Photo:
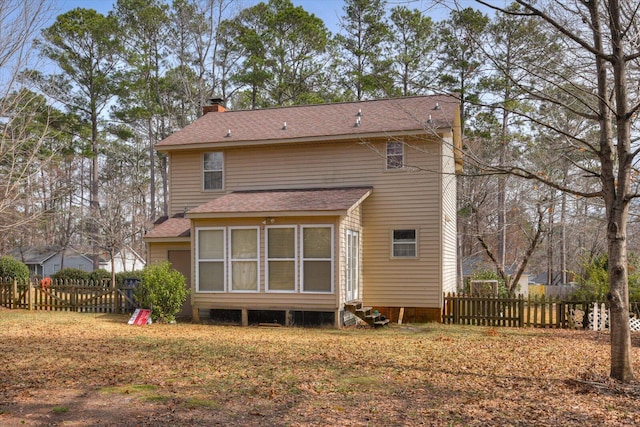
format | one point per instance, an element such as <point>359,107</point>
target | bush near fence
<point>519,311</point>
<point>68,295</point>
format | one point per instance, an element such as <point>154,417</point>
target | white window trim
<point>224,259</point>
<point>230,260</point>
<point>212,170</point>
<point>416,243</point>
<point>386,156</point>
<point>355,281</point>
<point>303,259</point>
<point>294,259</point>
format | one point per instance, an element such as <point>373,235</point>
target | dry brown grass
<point>82,369</point>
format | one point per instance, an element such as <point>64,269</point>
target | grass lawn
<point>85,369</point>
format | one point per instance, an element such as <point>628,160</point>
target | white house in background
<point>125,259</point>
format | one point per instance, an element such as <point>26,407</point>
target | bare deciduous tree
<point>24,124</point>
<point>595,79</point>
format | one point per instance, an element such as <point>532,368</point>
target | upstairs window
<point>213,170</point>
<point>405,243</point>
<point>395,155</point>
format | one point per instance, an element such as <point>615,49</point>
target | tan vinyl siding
<point>158,252</point>
<point>407,198</point>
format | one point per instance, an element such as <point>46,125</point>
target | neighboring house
<point>125,259</point>
<point>306,208</point>
<point>473,264</point>
<point>46,261</point>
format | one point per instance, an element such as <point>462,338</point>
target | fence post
<point>116,298</point>
<point>15,295</point>
<point>29,295</point>
<point>454,308</point>
<point>74,298</point>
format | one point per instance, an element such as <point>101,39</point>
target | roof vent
<point>437,107</point>
<point>357,122</point>
<point>429,120</point>
<point>284,126</point>
<point>359,112</point>
<point>229,132</point>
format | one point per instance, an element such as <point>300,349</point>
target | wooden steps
<point>372,318</point>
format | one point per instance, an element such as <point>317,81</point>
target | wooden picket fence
<point>79,296</point>
<point>516,311</point>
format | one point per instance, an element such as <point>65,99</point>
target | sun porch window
<point>281,259</point>
<point>244,269</point>
<point>210,256</point>
<point>317,259</point>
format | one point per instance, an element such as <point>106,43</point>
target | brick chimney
<point>215,105</point>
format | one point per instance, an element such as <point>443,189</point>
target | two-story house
<point>307,208</point>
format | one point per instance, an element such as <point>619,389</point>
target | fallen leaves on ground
<point>97,370</point>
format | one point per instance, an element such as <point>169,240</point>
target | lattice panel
<point>603,322</point>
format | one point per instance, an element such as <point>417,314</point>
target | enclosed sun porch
<point>276,256</point>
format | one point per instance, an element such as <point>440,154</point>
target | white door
<point>352,257</point>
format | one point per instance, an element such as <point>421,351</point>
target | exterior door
<point>352,264</point>
<point>181,261</point>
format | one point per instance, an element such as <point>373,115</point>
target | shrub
<point>14,269</point>
<point>593,282</point>
<point>99,275</point>
<point>71,274</point>
<point>124,275</point>
<point>162,289</point>
<point>488,275</point>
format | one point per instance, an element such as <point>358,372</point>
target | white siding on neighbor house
<point>125,260</point>
<point>402,199</point>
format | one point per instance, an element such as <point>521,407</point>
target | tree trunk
<point>152,171</point>
<point>94,205</point>
<point>563,237</point>
<point>618,297</point>
<point>616,192</point>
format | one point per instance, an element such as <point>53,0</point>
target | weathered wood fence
<point>79,296</point>
<point>517,311</point>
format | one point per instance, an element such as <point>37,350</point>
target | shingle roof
<point>317,121</point>
<point>39,255</point>
<point>327,200</point>
<point>173,227</point>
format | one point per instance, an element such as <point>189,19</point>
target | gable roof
<point>34,255</point>
<point>297,202</point>
<point>40,255</point>
<point>317,121</point>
